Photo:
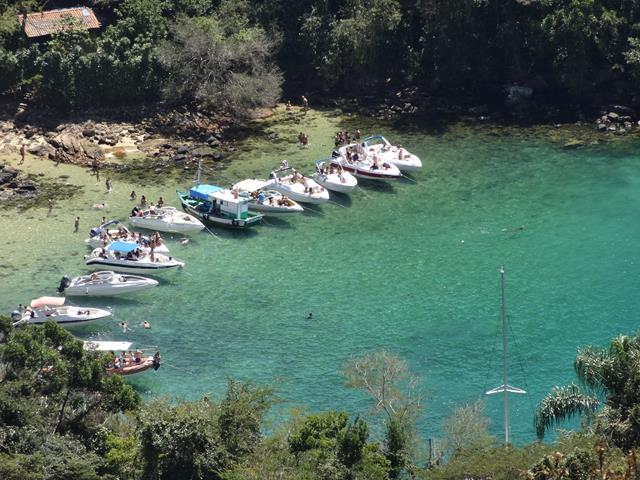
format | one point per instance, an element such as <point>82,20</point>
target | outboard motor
<point>64,283</point>
<point>16,316</point>
<point>94,232</point>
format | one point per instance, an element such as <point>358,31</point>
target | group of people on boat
<point>330,170</point>
<point>127,359</point>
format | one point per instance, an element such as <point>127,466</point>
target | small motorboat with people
<point>334,177</point>
<point>298,187</point>
<point>104,283</point>
<point>129,362</point>
<point>354,159</point>
<point>127,257</point>
<point>165,219</point>
<point>265,201</point>
<point>43,309</point>
<point>394,154</point>
<point>219,206</point>
<point>102,236</point>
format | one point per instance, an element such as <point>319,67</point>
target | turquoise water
<point>411,267</point>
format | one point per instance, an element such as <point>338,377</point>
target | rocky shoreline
<point>146,140</point>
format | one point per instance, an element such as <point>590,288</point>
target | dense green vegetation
<point>62,417</point>
<point>235,54</point>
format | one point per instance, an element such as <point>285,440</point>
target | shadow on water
<point>342,199</point>
<point>374,186</point>
<point>232,234</point>
<point>312,211</point>
<point>275,222</point>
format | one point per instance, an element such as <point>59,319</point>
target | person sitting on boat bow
<point>261,197</point>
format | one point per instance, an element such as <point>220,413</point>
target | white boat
<point>104,283</point>
<point>219,206</point>
<point>166,219</point>
<point>298,187</point>
<point>44,309</point>
<point>103,235</point>
<point>265,201</point>
<point>394,154</point>
<point>137,361</point>
<point>334,178</point>
<point>127,257</point>
<point>354,159</point>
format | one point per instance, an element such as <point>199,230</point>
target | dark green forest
<point>233,55</point>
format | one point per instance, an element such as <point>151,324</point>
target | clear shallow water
<point>411,267</point>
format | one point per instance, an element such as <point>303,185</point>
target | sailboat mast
<point>505,359</point>
<point>505,388</point>
<point>198,173</point>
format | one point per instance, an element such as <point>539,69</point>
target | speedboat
<point>165,219</point>
<point>265,201</point>
<point>104,283</point>
<point>129,363</point>
<point>354,159</point>
<point>53,308</point>
<point>298,187</point>
<point>219,206</point>
<point>394,154</point>
<point>127,257</point>
<point>102,236</point>
<point>334,178</point>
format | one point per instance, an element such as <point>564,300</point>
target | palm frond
<point>562,404</point>
<point>592,366</point>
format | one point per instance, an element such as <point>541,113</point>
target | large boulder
<point>203,152</point>
<point>68,142</point>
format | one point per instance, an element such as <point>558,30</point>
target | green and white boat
<point>218,206</point>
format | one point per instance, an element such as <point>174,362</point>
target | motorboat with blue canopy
<point>102,236</point>
<point>128,257</point>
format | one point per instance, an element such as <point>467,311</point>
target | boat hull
<point>132,267</point>
<point>369,174</point>
<point>73,317</point>
<point>334,184</point>
<point>274,211</point>
<point>169,227</point>
<point>120,285</point>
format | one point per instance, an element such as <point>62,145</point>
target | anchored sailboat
<point>505,387</point>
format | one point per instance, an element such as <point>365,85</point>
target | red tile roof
<point>46,23</point>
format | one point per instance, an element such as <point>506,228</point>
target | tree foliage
<point>219,65</point>
<point>612,374</point>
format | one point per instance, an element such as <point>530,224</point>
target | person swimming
<point>310,316</point>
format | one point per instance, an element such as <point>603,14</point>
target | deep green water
<point>411,267</point>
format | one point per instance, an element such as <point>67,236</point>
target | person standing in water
<point>76,225</point>
<point>21,154</point>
